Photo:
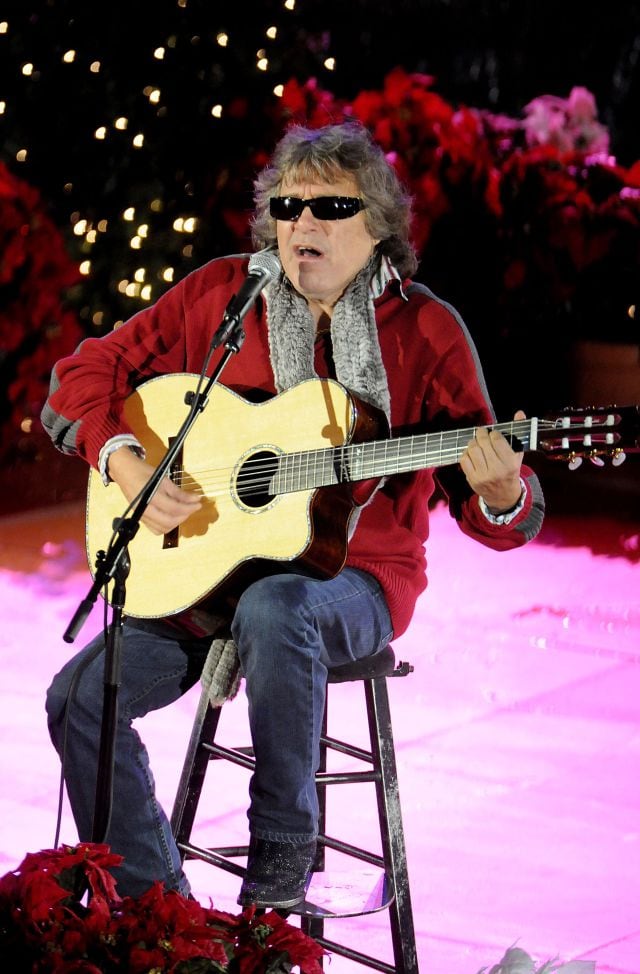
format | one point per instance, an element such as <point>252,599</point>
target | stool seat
<point>381,881</point>
<point>379,664</point>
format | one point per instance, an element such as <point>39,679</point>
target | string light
<point>86,232</point>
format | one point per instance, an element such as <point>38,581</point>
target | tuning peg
<point>574,463</point>
<point>597,461</point>
<point>618,458</point>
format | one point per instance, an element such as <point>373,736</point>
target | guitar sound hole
<point>254,480</point>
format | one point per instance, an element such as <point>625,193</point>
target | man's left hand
<point>492,468</point>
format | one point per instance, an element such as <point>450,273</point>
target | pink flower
<point>567,124</point>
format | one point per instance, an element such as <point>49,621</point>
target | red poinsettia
<point>36,326</point>
<point>59,912</point>
<point>552,215</point>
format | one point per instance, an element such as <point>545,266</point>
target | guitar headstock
<point>590,432</point>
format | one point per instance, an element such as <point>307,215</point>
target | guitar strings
<point>292,468</point>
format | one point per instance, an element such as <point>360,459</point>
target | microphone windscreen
<point>267,262</point>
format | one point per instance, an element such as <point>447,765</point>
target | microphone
<point>263,267</point>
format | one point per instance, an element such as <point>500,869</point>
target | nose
<point>306,216</point>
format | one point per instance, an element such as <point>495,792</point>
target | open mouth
<point>307,252</point>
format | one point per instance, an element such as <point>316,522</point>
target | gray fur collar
<point>354,336</point>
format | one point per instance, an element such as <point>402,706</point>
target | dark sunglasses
<point>322,207</point>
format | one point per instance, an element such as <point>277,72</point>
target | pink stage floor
<point>518,739</point>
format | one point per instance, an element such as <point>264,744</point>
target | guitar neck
<point>383,458</point>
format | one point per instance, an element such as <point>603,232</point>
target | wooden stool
<point>392,891</point>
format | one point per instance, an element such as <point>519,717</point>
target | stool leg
<point>391,830</point>
<point>314,926</point>
<point>194,770</point>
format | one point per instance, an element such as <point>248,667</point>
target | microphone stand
<point>114,564</point>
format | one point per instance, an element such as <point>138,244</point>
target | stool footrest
<point>351,749</point>
<point>345,777</point>
<point>355,955</point>
<point>351,850</point>
<point>212,857</point>
<point>242,756</point>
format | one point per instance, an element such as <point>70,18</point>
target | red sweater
<point>435,381</point>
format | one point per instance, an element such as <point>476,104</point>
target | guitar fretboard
<point>382,458</point>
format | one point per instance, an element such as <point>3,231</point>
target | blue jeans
<point>289,630</point>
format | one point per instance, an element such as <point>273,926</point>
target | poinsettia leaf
<point>515,961</point>
<point>41,895</point>
<point>279,964</point>
<point>577,967</point>
<point>198,965</point>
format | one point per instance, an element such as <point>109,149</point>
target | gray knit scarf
<point>354,338</point>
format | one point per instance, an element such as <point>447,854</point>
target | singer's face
<point>322,257</point>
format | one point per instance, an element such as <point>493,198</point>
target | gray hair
<point>326,155</point>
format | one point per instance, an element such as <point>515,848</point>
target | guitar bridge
<point>171,538</point>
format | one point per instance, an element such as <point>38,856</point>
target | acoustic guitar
<point>280,480</point>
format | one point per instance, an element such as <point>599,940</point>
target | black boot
<point>278,873</point>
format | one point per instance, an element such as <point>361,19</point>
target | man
<point>332,208</point>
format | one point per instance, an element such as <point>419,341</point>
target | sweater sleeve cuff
<point>123,439</point>
<point>507,516</point>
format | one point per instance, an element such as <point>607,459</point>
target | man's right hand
<point>169,506</point>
